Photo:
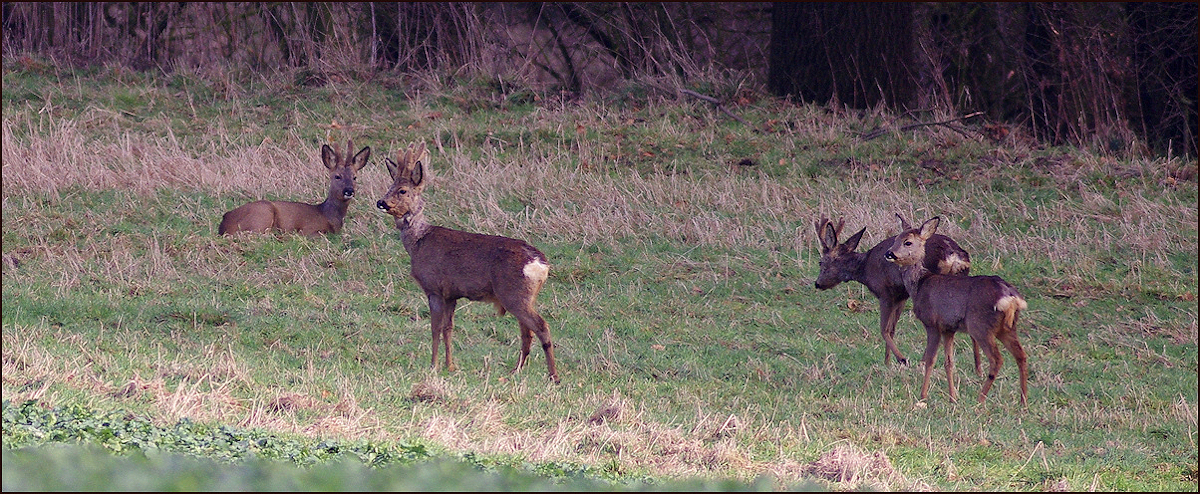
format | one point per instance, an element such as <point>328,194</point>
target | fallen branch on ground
<point>719,105</point>
<point>879,131</point>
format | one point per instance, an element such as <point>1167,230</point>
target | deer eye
<point>403,191</point>
<point>337,177</point>
<point>907,242</point>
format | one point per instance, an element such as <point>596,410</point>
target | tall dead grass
<point>64,153</point>
<point>710,206</point>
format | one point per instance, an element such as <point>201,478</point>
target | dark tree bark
<point>1164,51</point>
<point>859,54</point>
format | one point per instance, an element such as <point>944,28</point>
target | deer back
<point>452,264</point>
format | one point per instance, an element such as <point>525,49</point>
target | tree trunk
<point>860,54</point>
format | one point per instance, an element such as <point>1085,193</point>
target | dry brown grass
<point>205,388</point>
<point>717,208</point>
<point>66,154</point>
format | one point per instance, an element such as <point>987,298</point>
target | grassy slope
<point>690,338</point>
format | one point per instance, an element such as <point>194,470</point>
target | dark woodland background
<point>1117,77</point>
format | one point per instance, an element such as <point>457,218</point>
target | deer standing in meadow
<point>451,264</point>
<point>841,262</point>
<point>299,217</point>
<point>984,307</point>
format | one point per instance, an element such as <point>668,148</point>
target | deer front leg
<point>436,309</point>
<point>932,339</point>
<point>441,318</point>
<point>889,313</point>
<point>448,333</point>
<point>948,340</point>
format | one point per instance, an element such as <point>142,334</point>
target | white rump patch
<point>537,270</point>
<point>954,264</point>
<point>1008,302</point>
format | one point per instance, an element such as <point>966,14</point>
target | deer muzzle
<point>348,192</point>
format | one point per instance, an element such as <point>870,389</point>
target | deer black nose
<point>889,256</point>
<point>348,192</point>
<point>381,205</point>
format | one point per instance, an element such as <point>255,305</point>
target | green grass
<point>689,337</point>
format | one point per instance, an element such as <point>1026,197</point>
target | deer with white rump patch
<point>451,264</point>
<point>299,217</point>
<point>984,307</point>
<point>841,262</point>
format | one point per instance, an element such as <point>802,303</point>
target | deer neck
<point>413,227</point>
<point>913,276</point>
<point>334,209</point>
<point>860,267</point>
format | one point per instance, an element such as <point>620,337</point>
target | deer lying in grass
<point>840,262</point>
<point>984,307</point>
<point>451,264</point>
<point>299,217</point>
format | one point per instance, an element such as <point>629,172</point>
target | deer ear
<point>392,169</point>
<point>852,242</point>
<point>360,159</point>
<point>418,172</point>
<point>904,226</point>
<point>826,235</point>
<point>929,227</point>
<point>328,156</point>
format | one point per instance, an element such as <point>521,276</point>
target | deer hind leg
<point>257,216</point>
<point>526,343</point>
<point>499,306</point>
<point>993,354</point>
<point>889,313</point>
<point>532,324</point>
<point>948,341</point>
<point>1009,338</point>
<point>978,364</point>
<point>932,339</point>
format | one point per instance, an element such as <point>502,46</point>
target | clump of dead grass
<point>846,467</point>
<point>431,389</point>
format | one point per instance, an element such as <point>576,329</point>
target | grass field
<point>690,339</point>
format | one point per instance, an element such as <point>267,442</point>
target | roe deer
<point>984,307</point>
<point>304,218</point>
<point>840,262</point>
<point>451,264</point>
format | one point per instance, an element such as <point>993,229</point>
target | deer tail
<point>1011,304</point>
